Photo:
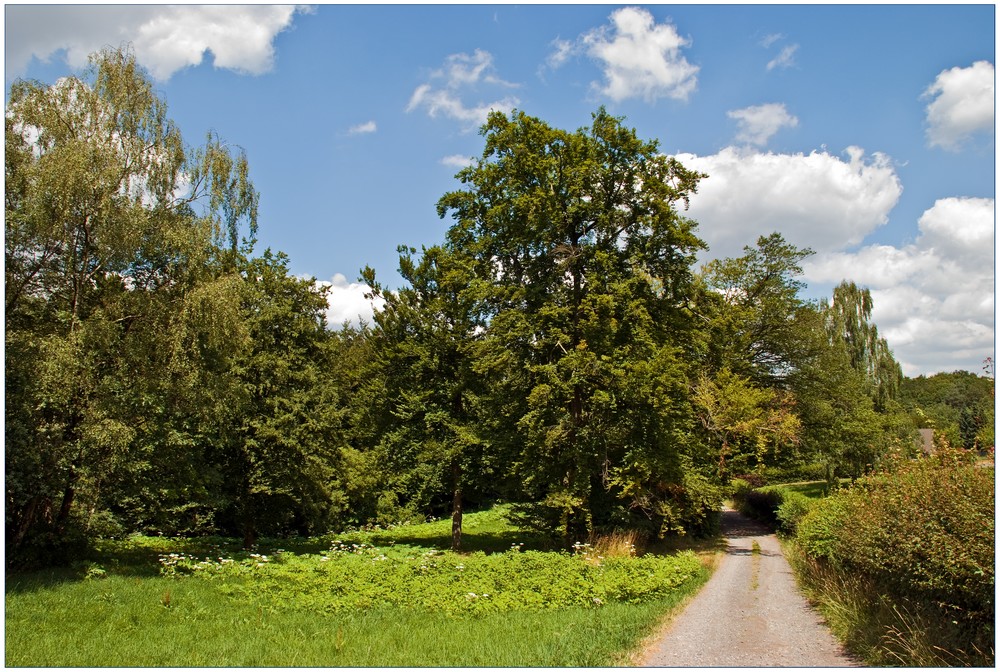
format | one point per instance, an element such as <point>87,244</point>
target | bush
<point>923,531</point>
<point>692,508</point>
<point>793,507</point>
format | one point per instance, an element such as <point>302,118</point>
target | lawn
<point>378,598</point>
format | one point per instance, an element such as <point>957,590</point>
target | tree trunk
<point>456,507</point>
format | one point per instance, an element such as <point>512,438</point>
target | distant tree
<point>754,314</point>
<point>958,405</point>
<point>748,422</point>
<point>849,319</point>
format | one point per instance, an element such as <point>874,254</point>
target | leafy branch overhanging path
<point>749,614</point>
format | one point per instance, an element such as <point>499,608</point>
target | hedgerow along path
<point>749,614</point>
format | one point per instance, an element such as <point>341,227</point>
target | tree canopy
<point>558,349</point>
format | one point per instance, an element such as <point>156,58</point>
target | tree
<point>748,421</point>
<point>754,312</point>
<point>424,352</point>
<point>114,231</point>
<point>582,277</point>
<point>279,441</point>
<point>849,319</point>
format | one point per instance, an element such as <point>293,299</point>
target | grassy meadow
<point>374,598</point>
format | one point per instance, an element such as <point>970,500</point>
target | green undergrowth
<point>343,602</point>
<point>902,562</point>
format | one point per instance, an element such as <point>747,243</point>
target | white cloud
<point>758,123</point>
<point>461,73</point>
<point>346,302</point>
<point>457,161</point>
<point>771,39</point>
<point>815,200</point>
<point>360,129</point>
<point>962,105</point>
<point>934,298</point>
<point>165,38</point>
<point>563,51</point>
<point>640,58</point>
<point>785,59</point>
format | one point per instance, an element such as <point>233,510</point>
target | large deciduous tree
<point>118,243</point>
<point>581,271</point>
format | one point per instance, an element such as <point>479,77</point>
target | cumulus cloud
<point>360,129</point>
<point>347,303</point>
<point>460,74</point>
<point>640,58</point>
<point>962,105</point>
<point>816,200</point>
<point>934,298</point>
<point>758,123</point>
<point>166,38</point>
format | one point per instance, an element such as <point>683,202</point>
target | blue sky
<point>863,132</point>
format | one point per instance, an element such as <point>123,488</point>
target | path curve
<point>749,614</point>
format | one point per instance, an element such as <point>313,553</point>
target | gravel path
<point>749,614</point>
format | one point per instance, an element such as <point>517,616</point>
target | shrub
<point>923,532</point>
<point>793,507</point>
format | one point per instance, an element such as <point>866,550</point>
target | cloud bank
<point>165,38</point>
<point>818,200</point>
<point>936,290</point>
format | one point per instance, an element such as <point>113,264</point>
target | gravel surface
<point>749,614</point>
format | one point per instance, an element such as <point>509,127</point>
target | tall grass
<point>121,622</point>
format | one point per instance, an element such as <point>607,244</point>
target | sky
<point>863,132</point>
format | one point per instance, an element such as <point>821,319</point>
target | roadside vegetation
<point>901,561</point>
<point>341,601</point>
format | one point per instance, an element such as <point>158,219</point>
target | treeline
<point>558,349</point>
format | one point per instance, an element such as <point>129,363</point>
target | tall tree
<point>755,314</point>
<point>280,439</point>
<point>849,319</point>
<point>582,274</point>
<point>111,226</point>
<point>425,345</point>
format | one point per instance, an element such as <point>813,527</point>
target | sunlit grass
<point>126,614</point>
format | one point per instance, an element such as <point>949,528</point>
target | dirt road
<point>749,614</point>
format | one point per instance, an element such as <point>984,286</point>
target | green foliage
<point>580,267</point>
<point>754,312</point>
<point>203,601</point>
<point>924,531</point>
<point>958,405</point>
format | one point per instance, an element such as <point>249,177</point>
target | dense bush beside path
<point>902,562</point>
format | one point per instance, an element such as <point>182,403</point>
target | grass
<point>810,489</point>
<point>295,609</point>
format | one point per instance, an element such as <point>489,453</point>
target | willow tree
<point>116,235</point>
<point>581,272</point>
<point>849,320</point>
